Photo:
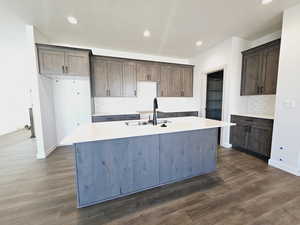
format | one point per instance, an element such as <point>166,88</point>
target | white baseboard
<point>45,155</point>
<point>280,165</point>
<point>226,145</point>
<point>40,155</point>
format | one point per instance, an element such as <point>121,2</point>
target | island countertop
<point>118,129</point>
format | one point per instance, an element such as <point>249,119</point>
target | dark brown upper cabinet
<point>129,79</point>
<point>113,78</point>
<point>99,77</point>
<point>176,81</point>
<point>187,81</point>
<point>63,61</point>
<point>260,69</point>
<point>148,71</point>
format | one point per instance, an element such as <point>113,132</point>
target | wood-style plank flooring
<point>243,191</point>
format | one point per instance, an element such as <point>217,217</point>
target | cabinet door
<point>270,72</point>
<point>238,135</point>
<point>171,157</point>
<point>115,78</point>
<point>51,61</point>
<point>129,79</point>
<point>251,73</point>
<point>175,83</point>
<point>164,85</point>
<point>259,140</point>
<point>170,81</point>
<point>187,81</point>
<point>77,63</point>
<point>99,77</point>
<point>148,72</point>
<point>155,72</point>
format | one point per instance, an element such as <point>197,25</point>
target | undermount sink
<point>144,123</point>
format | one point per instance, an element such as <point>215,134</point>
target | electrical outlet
<point>281,148</point>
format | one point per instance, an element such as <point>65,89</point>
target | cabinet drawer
<point>96,119</point>
<point>251,121</point>
<point>177,114</point>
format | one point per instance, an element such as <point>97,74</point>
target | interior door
<point>251,74</point>
<point>77,63</point>
<point>115,78</point>
<point>270,72</point>
<point>99,77</point>
<point>129,79</point>
<point>51,61</point>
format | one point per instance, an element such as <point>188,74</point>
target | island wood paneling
<point>113,168</point>
<point>106,169</point>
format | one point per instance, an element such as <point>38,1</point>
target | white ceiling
<point>175,25</point>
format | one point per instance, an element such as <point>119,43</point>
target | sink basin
<point>144,123</point>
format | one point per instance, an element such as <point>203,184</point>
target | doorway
<point>214,97</point>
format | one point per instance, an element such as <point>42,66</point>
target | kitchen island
<point>113,159</point>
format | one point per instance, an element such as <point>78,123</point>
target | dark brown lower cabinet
<point>252,134</point>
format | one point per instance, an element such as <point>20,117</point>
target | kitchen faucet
<point>155,107</point>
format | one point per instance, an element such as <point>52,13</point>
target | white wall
<point>287,111</point>
<point>14,82</point>
<point>227,56</point>
<point>265,39</point>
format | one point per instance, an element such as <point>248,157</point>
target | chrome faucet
<point>155,107</point>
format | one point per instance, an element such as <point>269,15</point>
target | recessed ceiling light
<point>266,2</point>
<point>199,43</point>
<point>72,20</point>
<point>147,33</point>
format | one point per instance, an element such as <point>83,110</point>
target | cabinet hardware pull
<point>135,93</point>
<point>261,89</point>
<point>66,69</point>
<point>63,69</point>
<point>257,89</point>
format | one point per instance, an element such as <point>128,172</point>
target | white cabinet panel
<point>72,103</point>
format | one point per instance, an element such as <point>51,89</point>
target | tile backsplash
<point>261,104</point>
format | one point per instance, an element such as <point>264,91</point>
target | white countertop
<point>260,116</point>
<point>118,129</point>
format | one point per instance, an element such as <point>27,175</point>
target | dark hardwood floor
<point>243,191</point>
